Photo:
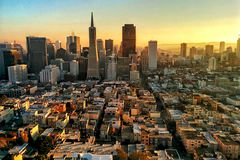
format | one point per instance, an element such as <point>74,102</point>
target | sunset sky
<point>168,21</point>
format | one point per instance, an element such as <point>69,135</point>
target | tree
<point>43,144</point>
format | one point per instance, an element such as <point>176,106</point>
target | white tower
<point>51,74</point>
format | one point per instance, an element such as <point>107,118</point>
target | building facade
<point>37,53</point>
<point>238,48</point>
<point>8,57</point>
<point>193,51</point>
<point>128,40</point>
<point>209,50</point>
<point>212,64</point>
<point>222,47</point>
<point>152,54</point>
<point>183,50</point>
<point>73,44</point>
<point>74,68</point>
<point>17,73</point>
<point>93,60</point>
<point>102,58</point>
<point>111,73</point>
<point>50,74</point>
<point>109,47</point>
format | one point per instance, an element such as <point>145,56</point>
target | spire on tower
<point>92,24</point>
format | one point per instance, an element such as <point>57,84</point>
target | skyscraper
<point>99,45</point>
<point>111,73</point>
<point>238,48</point>
<point>83,64</point>
<point>37,53</point>
<point>193,51</point>
<point>144,59</point>
<point>93,66</point>
<point>183,51</point>
<point>209,50</point>
<point>222,47</point>
<point>58,45</point>
<point>123,70</point>
<point>17,73</point>
<point>74,68</point>
<point>102,57</point>
<point>212,64</point>
<point>8,57</point>
<point>51,51</point>
<point>152,54</point>
<point>109,47</point>
<point>128,40</point>
<point>73,44</point>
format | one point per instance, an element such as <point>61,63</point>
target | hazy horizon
<point>167,22</point>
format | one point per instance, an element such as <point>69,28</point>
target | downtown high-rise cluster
<point>94,61</point>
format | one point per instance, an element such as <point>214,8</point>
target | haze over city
<point>169,22</point>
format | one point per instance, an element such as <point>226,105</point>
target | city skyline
<point>168,23</point>
<point>120,79</point>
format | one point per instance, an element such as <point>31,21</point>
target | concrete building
<point>222,47</point>
<point>17,73</point>
<point>8,58</point>
<point>123,68</point>
<point>58,45</point>
<point>134,75</point>
<point>102,58</point>
<point>183,50</point>
<point>227,146</point>
<point>51,74</point>
<point>212,64</point>
<point>109,47</point>
<point>73,44</point>
<point>111,73</point>
<point>93,60</point>
<point>238,48</point>
<point>83,64</point>
<point>37,53</point>
<point>58,62</point>
<point>51,51</point>
<point>152,55</point>
<point>144,59</point>
<point>74,68</point>
<point>193,51</point>
<point>209,50</point>
<point>128,40</point>
<point>6,45</point>
<point>6,114</point>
